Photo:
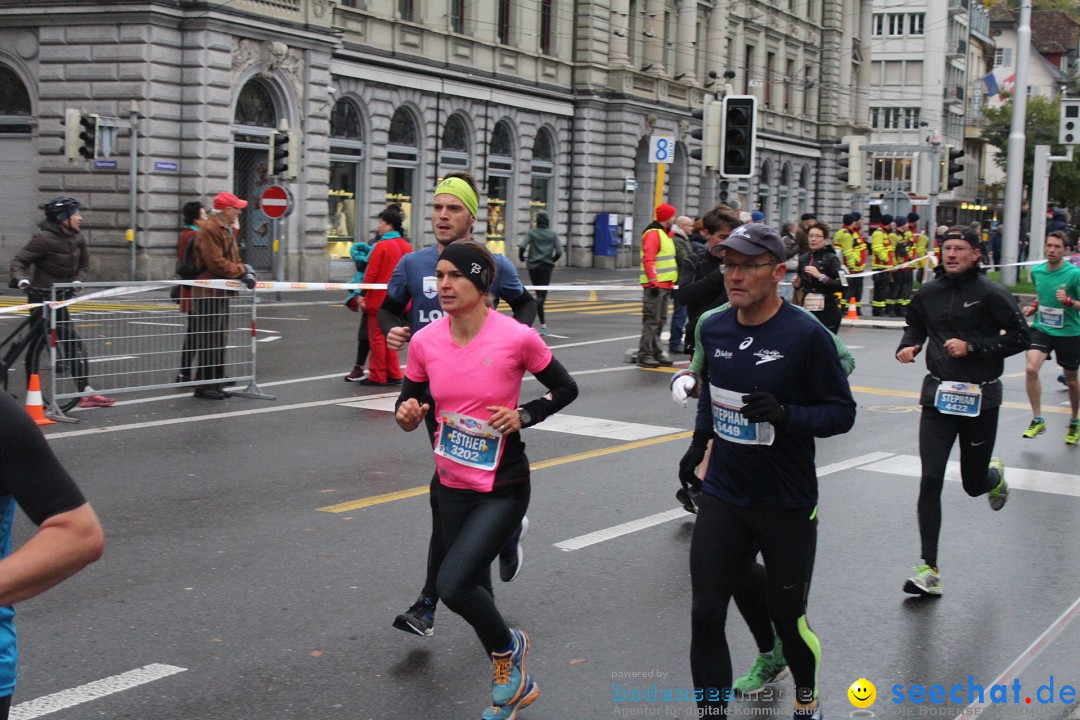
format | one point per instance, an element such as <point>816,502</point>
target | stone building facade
<point>550,104</point>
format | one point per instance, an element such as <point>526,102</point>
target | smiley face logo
<point>862,693</point>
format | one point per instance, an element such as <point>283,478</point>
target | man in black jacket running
<point>972,324</point>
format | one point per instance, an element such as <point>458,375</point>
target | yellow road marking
<point>423,489</point>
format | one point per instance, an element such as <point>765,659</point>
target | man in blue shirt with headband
<point>453,215</point>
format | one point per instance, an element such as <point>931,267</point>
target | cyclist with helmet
<point>59,254</point>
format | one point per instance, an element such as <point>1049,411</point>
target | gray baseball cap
<point>755,239</point>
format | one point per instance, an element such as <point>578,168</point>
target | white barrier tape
<point>111,292</point>
<point>934,261</point>
<point>19,308</point>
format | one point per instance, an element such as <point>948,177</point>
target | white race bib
<point>468,441</point>
<point>1052,317</point>
<point>957,398</point>
<point>730,425</point>
<point>814,302</point>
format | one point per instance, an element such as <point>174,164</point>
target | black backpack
<point>185,269</point>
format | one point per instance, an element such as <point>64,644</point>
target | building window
<point>875,118</point>
<point>748,68</point>
<point>402,159</point>
<point>504,22</point>
<point>916,22</point>
<point>457,16</point>
<point>547,11</point>
<point>454,153</point>
<point>543,171</point>
<point>896,24</point>
<point>807,80</point>
<point>911,118</point>
<point>500,172</point>
<point>14,103</point>
<point>789,80</point>
<point>770,68</point>
<point>891,118</point>
<point>255,107</point>
<point>346,154</point>
<point>406,10</point>
<point>1003,57</point>
<point>879,24</point>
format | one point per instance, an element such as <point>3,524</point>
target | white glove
<point>681,388</point>
<point>23,284</point>
<point>76,285</point>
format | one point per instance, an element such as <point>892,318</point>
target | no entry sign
<point>276,202</point>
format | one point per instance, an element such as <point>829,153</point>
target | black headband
<point>471,262</point>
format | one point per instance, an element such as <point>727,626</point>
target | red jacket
<point>381,263</point>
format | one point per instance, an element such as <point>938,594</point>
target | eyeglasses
<point>744,268</point>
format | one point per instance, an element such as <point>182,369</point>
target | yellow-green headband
<point>460,189</point>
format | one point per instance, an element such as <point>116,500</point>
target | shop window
<point>454,151</point>
<point>402,159</point>
<point>14,103</point>
<point>343,203</point>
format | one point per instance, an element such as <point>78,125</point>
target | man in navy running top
<point>453,214</point>
<point>774,382</point>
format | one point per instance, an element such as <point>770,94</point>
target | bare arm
<point>64,544</point>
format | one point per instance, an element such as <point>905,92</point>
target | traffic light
<point>710,115</point>
<point>88,136</point>
<point>723,195</point>
<point>949,169</point>
<point>738,134</point>
<point>71,133</point>
<point>1069,128</point>
<point>854,165</point>
<point>285,153</point>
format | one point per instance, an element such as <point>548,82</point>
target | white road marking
<point>142,322</point>
<point>626,528</point>
<point>111,358</point>
<point>272,338</point>
<point>570,424</point>
<point>1018,478</point>
<point>1033,651</point>
<point>92,691</point>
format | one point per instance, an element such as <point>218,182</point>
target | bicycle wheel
<point>69,374</point>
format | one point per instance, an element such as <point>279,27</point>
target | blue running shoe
<point>1061,379</point>
<point>510,711</point>
<point>508,685</point>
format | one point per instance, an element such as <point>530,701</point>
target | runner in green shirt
<point>1056,329</point>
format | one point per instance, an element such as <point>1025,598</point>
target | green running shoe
<point>1072,435</point>
<point>999,494</point>
<point>767,669</point>
<point>1037,427</point>
<point>927,581</point>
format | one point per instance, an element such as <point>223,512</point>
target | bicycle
<point>32,338</point>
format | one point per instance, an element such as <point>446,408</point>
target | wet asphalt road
<point>224,560</point>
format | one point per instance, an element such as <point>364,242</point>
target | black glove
<point>691,459</point>
<point>764,407</point>
<point>248,278</point>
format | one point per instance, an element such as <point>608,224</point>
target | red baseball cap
<point>228,200</point>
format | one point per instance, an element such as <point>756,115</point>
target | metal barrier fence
<point>136,337</point>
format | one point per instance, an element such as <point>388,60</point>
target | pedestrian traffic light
<point>738,135</point>
<point>1069,128</point>
<point>710,115</point>
<point>852,161</point>
<point>723,195</point>
<point>88,136</point>
<point>285,153</point>
<point>949,169</point>
<point>71,133</point>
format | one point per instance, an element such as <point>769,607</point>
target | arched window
<point>255,106</point>
<point>402,159</point>
<point>256,115</point>
<point>543,172</point>
<point>784,195</point>
<point>14,103</point>
<point>343,191</point>
<point>454,153</point>
<point>500,171</point>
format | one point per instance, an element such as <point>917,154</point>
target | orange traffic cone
<point>33,402</point>
<point>851,314</point>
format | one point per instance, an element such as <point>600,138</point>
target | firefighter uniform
<point>881,246</point>
<point>854,250</point>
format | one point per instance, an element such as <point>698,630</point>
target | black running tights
<point>937,433</point>
<point>721,555</point>
<point>476,525</point>
<point>540,276</point>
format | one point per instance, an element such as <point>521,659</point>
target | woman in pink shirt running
<point>472,361</point>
